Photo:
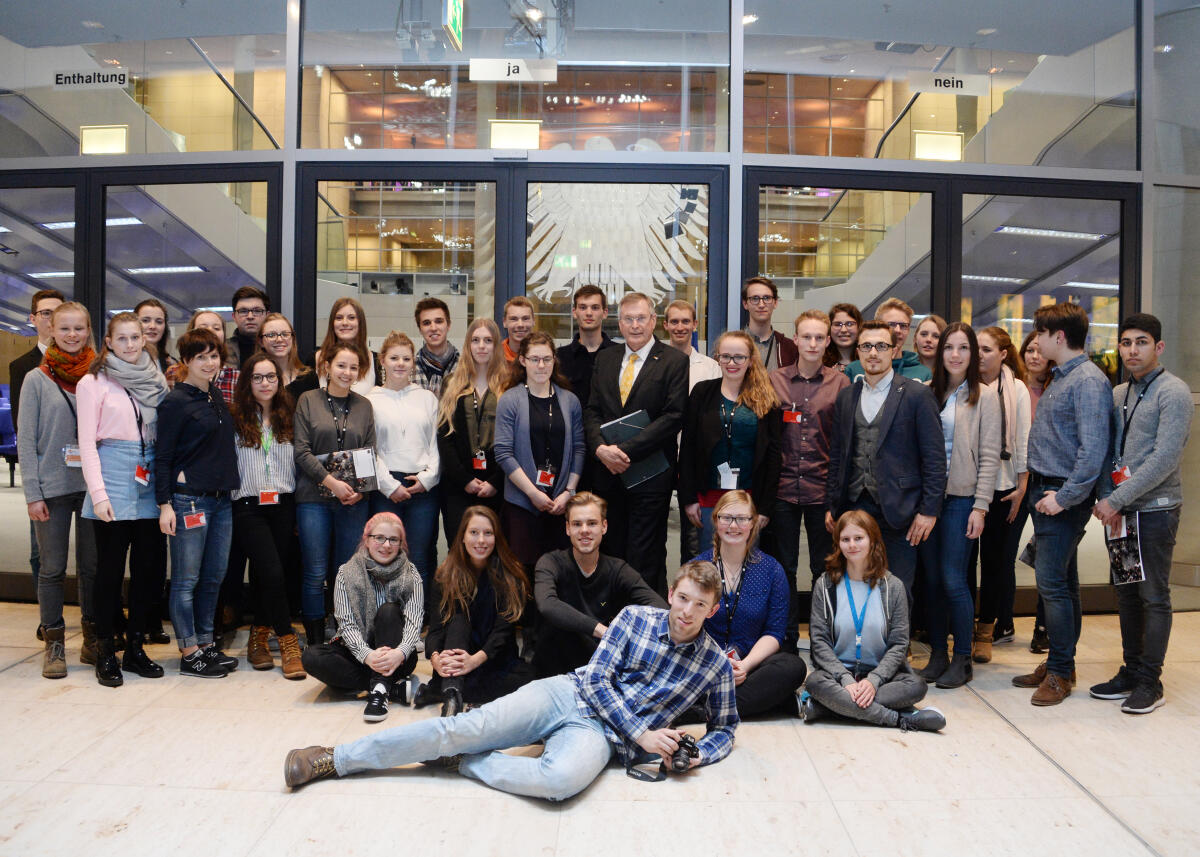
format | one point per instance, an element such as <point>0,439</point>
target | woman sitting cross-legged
<point>379,606</point>
<point>859,636</point>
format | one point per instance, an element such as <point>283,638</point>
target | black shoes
<point>1040,644</point>
<point>157,636</point>
<point>922,720</point>
<point>213,654</point>
<point>957,674</point>
<point>314,632</point>
<point>1145,698</point>
<point>196,665</point>
<point>377,704</point>
<point>404,691</point>
<point>108,671</point>
<point>452,702</point>
<point>424,696</point>
<point>1117,687</point>
<point>135,659</point>
<point>1003,635</point>
<point>939,662</point>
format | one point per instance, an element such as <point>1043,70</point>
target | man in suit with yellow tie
<point>645,375</point>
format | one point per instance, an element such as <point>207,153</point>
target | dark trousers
<point>491,680</point>
<point>333,663</point>
<point>264,535</point>
<point>902,557</point>
<point>1057,569</point>
<point>637,532</point>
<point>689,538</point>
<point>901,693</point>
<point>143,542</point>
<point>559,652</point>
<point>531,534</point>
<point>1145,608</point>
<point>772,685</point>
<point>456,503</point>
<point>998,548</point>
<point>782,541</point>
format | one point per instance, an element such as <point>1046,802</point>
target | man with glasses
<point>897,315</point>
<point>250,307</point>
<point>887,454</point>
<point>760,296</point>
<point>647,376</point>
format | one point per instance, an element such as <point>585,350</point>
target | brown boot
<point>981,652</point>
<point>54,663</point>
<point>1053,690</point>
<point>289,653</point>
<point>87,652</point>
<point>304,766</point>
<point>258,652</point>
<point>1035,678</point>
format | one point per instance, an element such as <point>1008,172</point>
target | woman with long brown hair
<point>859,636</point>
<point>277,338</point>
<point>845,320</point>
<point>478,595</point>
<point>731,434</point>
<point>1039,371</point>
<point>156,328</point>
<point>347,326</point>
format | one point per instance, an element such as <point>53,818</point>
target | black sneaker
<point>377,701</point>
<point>1117,687</point>
<point>213,654</point>
<point>1040,644</point>
<point>1145,698</point>
<point>197,665</point>
<point>922,720</point>
<point>403,692</point>
<point>1003,635</point>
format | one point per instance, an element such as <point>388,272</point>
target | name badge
<point>732,654</point>
<point>545,478</point>
<point>728,475</point>
<point>194,520</point>
<point>1120,474</point>
<point>793,417</point>
<point>141,475</point>
<point>71,456</point>
<point>479,462</point>
<point>268,498</point>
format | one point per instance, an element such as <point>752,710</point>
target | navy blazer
<point>512,448</point>
<point>910,457</point>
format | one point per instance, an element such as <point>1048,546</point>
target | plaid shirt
<point>639,680</point>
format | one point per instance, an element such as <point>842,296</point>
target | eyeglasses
<point>899,325</point>
<point>735,359</point>
<point>760,299</point>
<point>244,311</point>
<point>384,540</point>
<point>282,334</point>
<point>540,361</point>
<point>868,347</point>
<point>44,313</point>
<point>729,520</point>
<point>268,378</point>
<point>845,325</point>
<point>636,319</point>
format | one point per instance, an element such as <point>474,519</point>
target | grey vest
<point>862,462</point>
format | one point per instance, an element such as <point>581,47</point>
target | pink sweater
<point>105,413</point>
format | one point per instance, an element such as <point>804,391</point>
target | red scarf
<point>67,369</point>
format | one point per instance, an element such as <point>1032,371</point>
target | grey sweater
<point>1158,433</point>
<point>47,425</point>
<point>315,434</point>
<point>821,632</point>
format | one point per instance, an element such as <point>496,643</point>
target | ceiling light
<point>985,31</point>
<point>5,229</point>
<point>1104,287</point>
<point>749,19</point>
<point>92,25</point>
<point>112,221</point>
<point>533,13</point>
<point>214,309</point>
<point>1163,49</point>
<point>983,278</point>
<point>1016,320</point>
<point>52,275</point>
<point>1050,233</point>
<point>169,269</point>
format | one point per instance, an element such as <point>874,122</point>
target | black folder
<point>629,426</point>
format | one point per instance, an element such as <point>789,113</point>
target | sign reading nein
<point>949,82</point>
<point>115,78</point>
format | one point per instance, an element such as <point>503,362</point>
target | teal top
<point>739,430</point>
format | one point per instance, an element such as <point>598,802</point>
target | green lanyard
<point>267,439</point>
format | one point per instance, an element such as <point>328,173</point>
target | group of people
<point>552,470</point>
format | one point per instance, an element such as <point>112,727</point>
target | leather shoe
<point>922,720</point>
<point>1035,678</point>
<point>308,764</point>
<point>1053,690</point>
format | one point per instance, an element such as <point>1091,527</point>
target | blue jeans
<point>576,749</point>
<point>199,557</point>
<point>1057,572</point>
<point>944,557</point>
<point>420,516</point>
<point>323,526</point>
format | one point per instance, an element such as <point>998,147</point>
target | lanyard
<point>137,414</point>
<point>727,429</point>
<point>66,399</point>
<point>1129,413</point>
<point>339,429</point>
<point>730,607</point>
<point>549,424</point>
<point>859,618</point>
<point>1004,454</point>
<point>267,437</point>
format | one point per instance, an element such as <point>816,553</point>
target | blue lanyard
<point>859,618</point>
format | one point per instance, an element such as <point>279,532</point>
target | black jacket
<point>661,389</point>
<point>17,370</point>
<point>457,456</point>
<point>195,438</point>
<point>577,364</point>
<point>910,457</point>
<point>702,432</point>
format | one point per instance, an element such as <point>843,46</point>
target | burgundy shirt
<point>806,441</point>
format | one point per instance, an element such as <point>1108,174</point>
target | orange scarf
<point>66,369</point>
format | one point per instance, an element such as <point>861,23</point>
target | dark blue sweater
<point>761,610</point>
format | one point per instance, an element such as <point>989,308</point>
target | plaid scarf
<point>66,369</point>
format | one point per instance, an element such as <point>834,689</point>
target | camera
<point>681,759</point>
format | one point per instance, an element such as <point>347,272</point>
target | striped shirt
<point>639,680</point>
<point>355,611</point>
<point>273,470</point>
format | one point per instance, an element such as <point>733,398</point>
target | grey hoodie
<point>821,629</point>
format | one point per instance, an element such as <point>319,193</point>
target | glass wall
<point>1014,83</point>
<point>37,251</point>
<point>1177,102</point>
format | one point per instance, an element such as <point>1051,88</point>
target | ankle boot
<point>289,654</point>
<point>258,652</point>
<point>958,673</point>
<point>87,652</point>
<point>136,660</point>
<point>982,651</point>
<point>314,632</point>
<point>108,670</point>
<point>54,662</point>
<point>939,660</point>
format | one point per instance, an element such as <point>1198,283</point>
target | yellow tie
<point>627,377</point>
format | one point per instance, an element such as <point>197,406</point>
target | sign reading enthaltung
<point>112,78</point>
<point>945,81</point>
<point>525,71</point>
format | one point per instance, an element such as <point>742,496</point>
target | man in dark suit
<point>887,453</point>
<point>644,375</point>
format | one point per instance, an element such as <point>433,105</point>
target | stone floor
<point>182,767</point>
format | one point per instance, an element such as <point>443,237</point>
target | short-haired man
<point>579,591</point>
<point>651,665</point>
<point>1151,420</point>
<point>589,308</point>
<point>760,296</point>
<point>438,356</point>
<point>808,391</point>
<point>897,315</point>
<point>1068,449</point>
<point>645,375</point>
<point>518,324</point>
<point>887,454</point>
<point>250,307</point>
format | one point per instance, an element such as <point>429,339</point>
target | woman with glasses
<point>925,339</point>
<point>751,617</point>
<point>970,417</point>
<point>731,434</point>
<point>379,605</point>
<point>540,447</point>
<point>845,320</point>
<point>264,507</point>
<point>277,338</point>
<point>347,326</point>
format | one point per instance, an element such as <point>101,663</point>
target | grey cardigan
<point>47,424</point>
<point>821,626</point>
<point>512,448</point>
<point>975,454</point>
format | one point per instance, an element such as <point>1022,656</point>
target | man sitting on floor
<point>651,666</point>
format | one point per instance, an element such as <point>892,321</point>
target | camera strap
<point>637,773</point>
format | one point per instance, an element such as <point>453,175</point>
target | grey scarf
<point>144,381</point>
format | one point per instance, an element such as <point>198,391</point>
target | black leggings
<point>772,685</point>
<point>491,680</point>
<point>333,663</point>
<point>144,543</point>
<point>264,534</point>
